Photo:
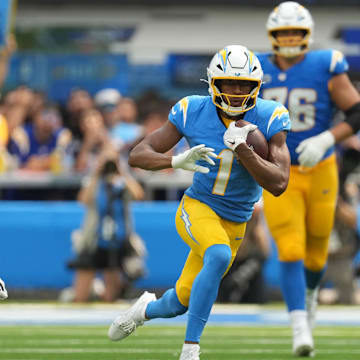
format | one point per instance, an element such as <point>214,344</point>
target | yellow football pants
<point>200,227</point>
<point>301,219</point>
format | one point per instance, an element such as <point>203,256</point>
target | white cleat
<point>190,352</point>
<point>311,306</point>
<point>126,323</point>
<point>303,344</point>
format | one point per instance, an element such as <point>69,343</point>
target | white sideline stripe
<point>48,314</point>
<point>284,341</point>
<point>251,334</point>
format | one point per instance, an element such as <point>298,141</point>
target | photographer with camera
<point>107,241</point>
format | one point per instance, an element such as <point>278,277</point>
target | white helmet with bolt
<point>290,15</point>
<point>234,62</point>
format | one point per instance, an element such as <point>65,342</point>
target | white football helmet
<point>234,62</point>
<point>290,15</point>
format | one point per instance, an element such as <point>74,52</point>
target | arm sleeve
<point>353,117</point>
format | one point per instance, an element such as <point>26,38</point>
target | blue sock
<point>313,277</point>
<point>166,307</point>
<point>205,289</point>
<point>292,281</point>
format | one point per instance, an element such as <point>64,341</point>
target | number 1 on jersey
<point>226,157</point>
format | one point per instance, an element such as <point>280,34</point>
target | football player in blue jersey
<point>212,215</point>
<point>309,84</point>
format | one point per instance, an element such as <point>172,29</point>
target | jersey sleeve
<point>279,121</point>
<point>178,114</point>
<point>337,62</point>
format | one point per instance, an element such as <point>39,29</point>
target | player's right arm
<point>149,153</point>
<point>347,98</point>
<point>271,174</point>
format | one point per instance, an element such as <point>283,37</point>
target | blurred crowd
<point>38,135</point>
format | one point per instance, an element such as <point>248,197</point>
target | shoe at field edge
<point>127,322</point>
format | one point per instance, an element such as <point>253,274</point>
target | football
<point>255,140</point>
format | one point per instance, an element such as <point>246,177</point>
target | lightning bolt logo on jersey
<point>303,89</point>
<point>228,188</point>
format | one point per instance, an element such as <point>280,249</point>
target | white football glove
<point>187,160</point>
<point>312,150</point>
<point>234,136</point>
<point>3,291</point>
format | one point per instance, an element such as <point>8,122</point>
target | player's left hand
<point>313,149</point>
<point>3,291</point>
<point>234,136</point>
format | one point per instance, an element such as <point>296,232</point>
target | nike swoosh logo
<point>286,122</point>
<point>173,111</point>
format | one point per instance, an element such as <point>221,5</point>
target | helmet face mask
<point>228,100</point>
<point>238,71</point>
<point>294,19</point>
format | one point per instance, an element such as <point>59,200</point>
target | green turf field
<point>161,342</point>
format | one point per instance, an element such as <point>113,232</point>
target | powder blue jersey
<point>228,188</point>
<point>303,89</point>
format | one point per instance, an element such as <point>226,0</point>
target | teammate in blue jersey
<point>213,213</point>
<point>309,84</point>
